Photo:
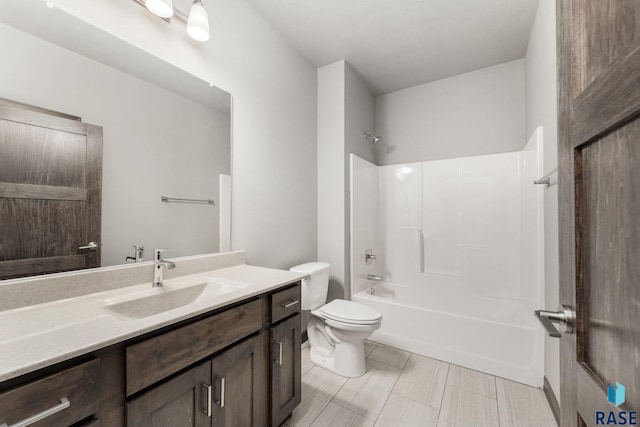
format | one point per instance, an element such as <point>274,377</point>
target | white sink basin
<point>161,299</point>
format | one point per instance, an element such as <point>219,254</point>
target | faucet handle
<point>157,253</point>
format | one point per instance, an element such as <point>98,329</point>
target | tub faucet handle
<point>369,257</point>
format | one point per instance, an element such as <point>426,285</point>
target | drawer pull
<point>290,303</point>
<point>219,402</point>
<point>64,404</point>
<point>207,409</point>
<point>279,359</point>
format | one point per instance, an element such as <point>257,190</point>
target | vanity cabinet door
<point>286,368</point>
<point>181,401</point>
<point>240,385</point>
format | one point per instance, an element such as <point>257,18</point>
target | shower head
<point>372,138</point>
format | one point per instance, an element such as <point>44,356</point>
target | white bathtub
<point>499,337</point>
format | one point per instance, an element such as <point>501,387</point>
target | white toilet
<point>336,330</point>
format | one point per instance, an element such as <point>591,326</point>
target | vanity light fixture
<point>49,4</point>
<point>161,8</point>
<point>198,23</point>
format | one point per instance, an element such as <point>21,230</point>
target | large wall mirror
<point>164,133</point>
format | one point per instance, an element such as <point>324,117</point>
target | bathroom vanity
<point>230,356</point>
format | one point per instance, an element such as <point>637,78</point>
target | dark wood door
<point>50,192</point>
<point>286,359</point>
<point>240,385</point>
<point>181,402</point>
<point>599,197</point>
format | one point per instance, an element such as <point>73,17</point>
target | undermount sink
<point>166,298</point>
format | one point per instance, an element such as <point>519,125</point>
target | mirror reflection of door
<point>50,192</point>
<point>599,199</point>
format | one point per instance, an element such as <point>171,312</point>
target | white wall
<point>154,143</point>
<point>360,115</point>
<point>345,112</point>
<point>359,118</point>
<point>274,165</point>
<point>542,111</point>
<point>331,173</point>
<point>480,112</point>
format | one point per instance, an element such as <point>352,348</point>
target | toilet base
<point>337,346</point>
<point>347,359</point>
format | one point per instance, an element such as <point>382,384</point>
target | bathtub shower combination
<point>458,246</point>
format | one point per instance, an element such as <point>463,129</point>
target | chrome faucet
<point>138,254</point>
<point>158,263</point>
<point>374,278</point>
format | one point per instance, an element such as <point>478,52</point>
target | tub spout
<point>374,278</point>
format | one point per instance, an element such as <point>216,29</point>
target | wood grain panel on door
<point>181,401</point>
<point>599,203</point>
<point>50,192</point>
<point>286,365</point>
<point>608,195</point>
<point>240,385</point>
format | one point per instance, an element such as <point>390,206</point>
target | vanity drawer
<point>68,396</point>
<point>150,361</point>
<point>285,303</point>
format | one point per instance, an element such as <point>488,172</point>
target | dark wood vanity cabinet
<point>227,390</point>
<point>238,366</point>
<point>250,375</point>
<point>286,383</point>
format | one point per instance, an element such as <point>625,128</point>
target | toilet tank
<point>314,290</point>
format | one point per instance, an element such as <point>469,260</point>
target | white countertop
<point>41,335</point>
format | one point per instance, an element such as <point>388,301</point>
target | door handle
<point>92,246</point>
<point>565,316</point>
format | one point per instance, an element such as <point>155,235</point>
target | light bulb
<point>198,22</point>
<point>161,8</point>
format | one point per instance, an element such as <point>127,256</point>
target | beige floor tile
<point>368,347</point>
<point>462,408</point>
<point>318,388</point>
<point>520,405</point>
<point>307,364</point>
<point>367,394</point>
<point>337,416</point>
<point>389,356</point>
<point>470,380</point>
<point>400,411</point>
<point>423,380</point>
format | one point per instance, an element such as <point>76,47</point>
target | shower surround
<point>459,245</point>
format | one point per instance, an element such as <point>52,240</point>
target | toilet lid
<point>350,312</point>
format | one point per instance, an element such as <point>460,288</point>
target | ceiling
<point>395,44</point>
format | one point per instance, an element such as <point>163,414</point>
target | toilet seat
<point>349,312</point>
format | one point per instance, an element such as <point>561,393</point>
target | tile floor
<point>401,389</point>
